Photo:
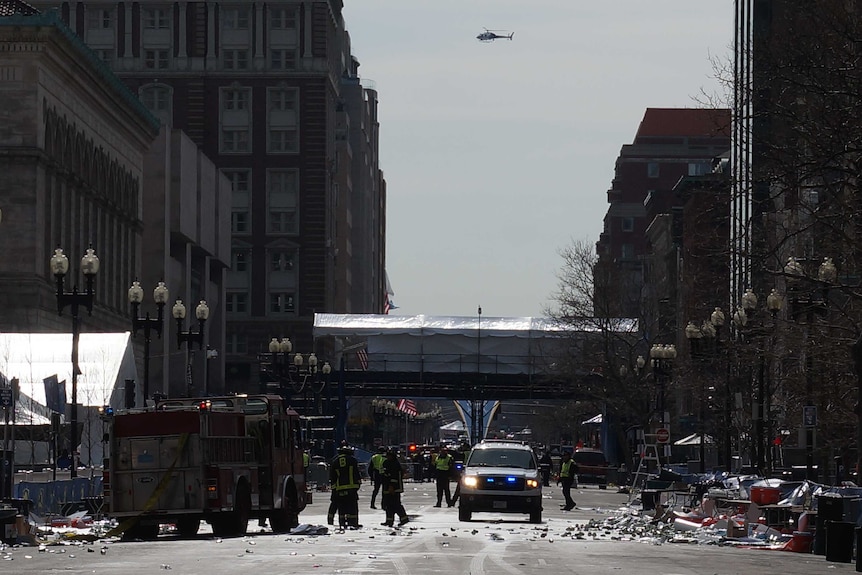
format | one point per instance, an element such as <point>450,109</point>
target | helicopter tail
<point>510,35</point>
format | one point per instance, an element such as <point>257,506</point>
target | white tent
<point>105,361</point>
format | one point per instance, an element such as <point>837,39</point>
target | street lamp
<point>75,299</point>
<point>136,296</point>
<point>694,334</point>
<point>202,313</point>
<point>662,356</point>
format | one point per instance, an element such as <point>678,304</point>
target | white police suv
<point>501,477</point>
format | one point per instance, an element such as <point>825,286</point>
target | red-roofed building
<point>670,144</point>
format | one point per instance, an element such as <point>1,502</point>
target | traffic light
<point>130,394</point>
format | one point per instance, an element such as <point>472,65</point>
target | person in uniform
<point>345,481</point>
<point>393,486</point>
<point>375,470</point>
<point>465,455</point>
<point>568,475</point>
<point>443,468</point>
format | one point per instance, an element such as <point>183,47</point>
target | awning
<point>693,439</point>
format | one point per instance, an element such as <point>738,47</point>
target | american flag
<point>408,407</point>
<point>362,357</point>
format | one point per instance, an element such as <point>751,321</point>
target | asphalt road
<point>433,542</point>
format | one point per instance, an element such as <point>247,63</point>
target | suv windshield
<point>502,458</point>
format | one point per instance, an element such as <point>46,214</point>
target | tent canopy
<point>105,361</point>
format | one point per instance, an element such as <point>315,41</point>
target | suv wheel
<point>536,516</point>
<point>464,513</point>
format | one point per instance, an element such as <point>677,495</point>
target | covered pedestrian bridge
<point>452,357</point>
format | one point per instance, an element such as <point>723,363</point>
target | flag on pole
<point>408,407</point>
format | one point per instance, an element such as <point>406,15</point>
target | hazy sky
<point>498,155</point>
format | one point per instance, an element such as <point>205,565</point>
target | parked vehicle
<point>592,467</point>
<point>224,460</point>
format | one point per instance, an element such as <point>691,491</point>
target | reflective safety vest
<point>345,475</point>
<point>444,462</point>
<point>567,469</point>
<point>305,460</point>
<point>377,461</point>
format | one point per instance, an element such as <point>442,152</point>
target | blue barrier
<point>49,497</point>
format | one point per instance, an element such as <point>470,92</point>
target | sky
<point>498,155</point>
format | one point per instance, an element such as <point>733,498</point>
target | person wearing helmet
<point>345,481</point>
<point>393,487</point>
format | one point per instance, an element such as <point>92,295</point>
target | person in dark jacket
<point>546,465</point>
<point>393,487</point>
<point>345,481</point>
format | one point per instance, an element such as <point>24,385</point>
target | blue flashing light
<point>511,479</point>
<point>109,410</point>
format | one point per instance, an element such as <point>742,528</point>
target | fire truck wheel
<point>234,522</point>
<point>188,526</point>
<point>283,520</point>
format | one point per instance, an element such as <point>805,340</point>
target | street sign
<point>6,397</point>
<point>662,435</point>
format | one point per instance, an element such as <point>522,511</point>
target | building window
<point>239,222</point>
<point>282,99</point>
<point>156,19</point>
<point>237,343</point>
<point>235,18</point>
<point>235,140</point>
<point>283,18</point>
<point>281,261</point>
<point>282,188</point>
<point>699,168</point>
<point>236,99</point>
<point>240,200</point>
<point>652,169</point>
<point>280,59</point>
<point>240,260</point>
<point>99,19</point>
<point>628,224</point>
<point>236,302</point>
<point>282,303</point>
<point>282,141</point>
<point>235,59</point>
<point>156,59</point>
<point>628,251</point>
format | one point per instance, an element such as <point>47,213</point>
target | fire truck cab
<point>224,460</point>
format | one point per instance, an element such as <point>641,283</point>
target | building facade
<point>258,86</point>
<point>670,144</point>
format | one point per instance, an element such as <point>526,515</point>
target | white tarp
<point>693,439</point>
<point>105,361</point>
<point>503,345</point>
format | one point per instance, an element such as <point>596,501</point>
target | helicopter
<point>491,35</point>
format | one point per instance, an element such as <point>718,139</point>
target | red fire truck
<point>224,460</point>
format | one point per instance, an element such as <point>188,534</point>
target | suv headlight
<point>471,481</point>
<point>532,484</point>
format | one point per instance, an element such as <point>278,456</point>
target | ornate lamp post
<point>75,299</point>
<point>202,313</point>
<point>136,296</point>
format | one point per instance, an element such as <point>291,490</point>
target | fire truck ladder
<point>645,469</point>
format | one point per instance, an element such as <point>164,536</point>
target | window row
<point>237,303</point>
<point>236,18</point>
<point>279,260</point>
<point>232,59</point>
